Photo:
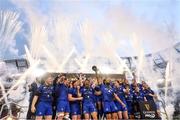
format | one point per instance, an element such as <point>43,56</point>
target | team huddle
<point>88,98</point>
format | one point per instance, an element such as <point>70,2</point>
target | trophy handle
<point>95,69</point>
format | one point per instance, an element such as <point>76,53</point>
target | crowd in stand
<point>86,98</point>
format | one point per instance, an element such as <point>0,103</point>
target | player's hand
<point>33,109</point>
<point>150,94</point>
<point>123,105</point>
<point>80,98</point>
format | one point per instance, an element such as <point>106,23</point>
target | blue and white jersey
<point>107,93</point>
<point>120,92</point>
<point>62,92</point>
<point>88,95</point>
<point>138,96</point>
<point>73,92</point>
<point>147,92</point>
<point>45,93</point>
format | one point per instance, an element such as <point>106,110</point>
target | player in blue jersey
<point>149,94</point>
<point>44,96</point>
<point>75,98</point>
<point>138,95</point>
<point>129,101</point>
<point>61,92</point>
<point>125,83</point>
<point>109,95</point>
<point>122,110</point>
<point>89,106</point>
<point>99,102</point>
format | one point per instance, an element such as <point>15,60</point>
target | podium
<point>145,110</point>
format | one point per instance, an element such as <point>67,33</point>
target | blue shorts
<point>63,106</point>
<point>109,107</point>
<point>44,109</point>
<point>120,107</point>
<point>130,108</point>
<point>75,109</point>
<point>89,108</point>
<point>99,98</point>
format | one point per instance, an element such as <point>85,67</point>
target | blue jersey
<point>45,93</point>
<point>73,92</point>
<point>138,96</point>
<point>74,105</point>
<point>139,86</point>
<point>107,93</point>
<point>119,91</point>
<point>147,92</point>
<point>129,102</point>
<point>98,97</point>
<point>88,95</point>
<point>62,92</point>
<point>129,98</point>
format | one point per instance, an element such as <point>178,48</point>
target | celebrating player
<point>122,109</point>
<point>108,95</point>
<point>61,92</point>
<point>89,106</point>
<point>43,98</point>
<point>74,97</point>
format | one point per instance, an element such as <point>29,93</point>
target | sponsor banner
<point>145,110</point>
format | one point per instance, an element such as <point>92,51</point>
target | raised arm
<point>99,80</point>
<point>78,91</point>
<point>61,79</point>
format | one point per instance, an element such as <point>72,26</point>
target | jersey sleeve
<point>57,90</point>
<point>152,92</point>
<point>39,91</point>
<point>102,87</point>
<point>70,91</point>
<point>143,95</point>
<point>114,90</point>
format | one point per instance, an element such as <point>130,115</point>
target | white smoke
<point>10,25</point>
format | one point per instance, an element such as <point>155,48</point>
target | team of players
<point>88,99</point>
